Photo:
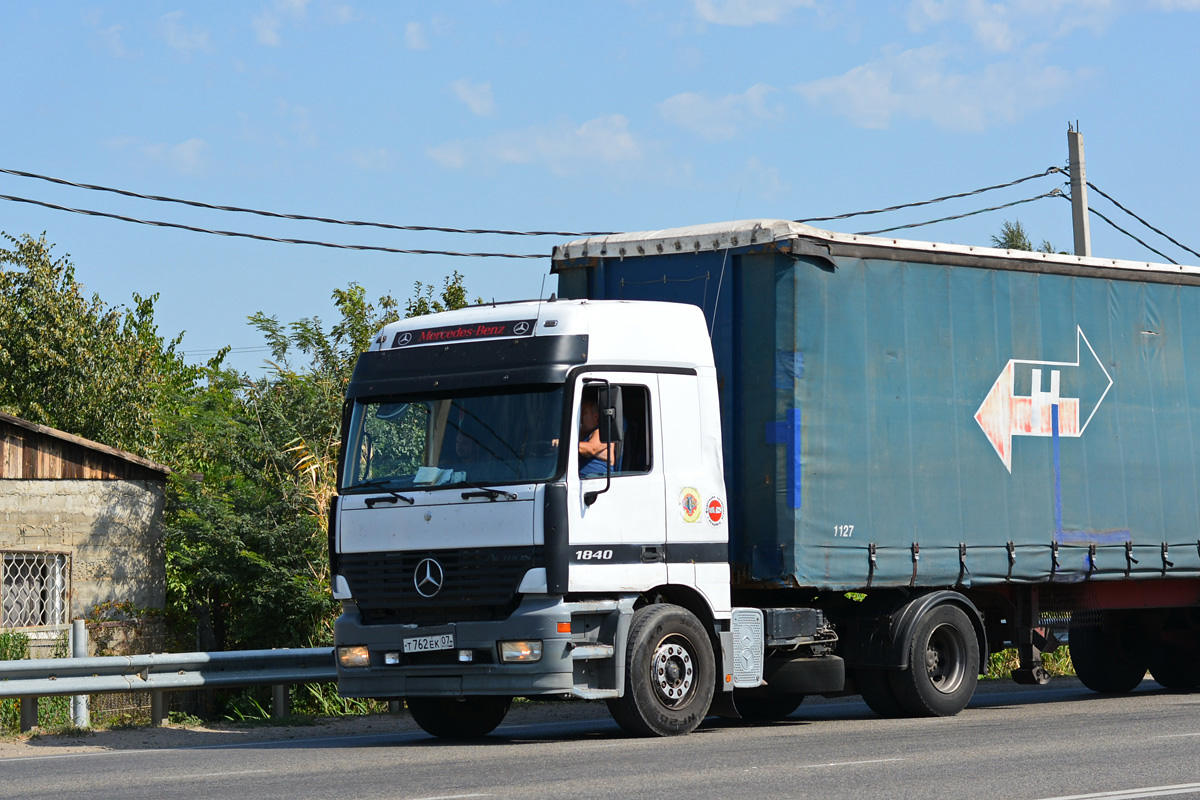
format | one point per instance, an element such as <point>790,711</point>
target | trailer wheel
<point>943,665</point>
<point>458,718</point>
<point>766,707</point>
<point>876,691</point>
<point>1174,668</point>
<point>1103,660</point>
<point>670,673</point>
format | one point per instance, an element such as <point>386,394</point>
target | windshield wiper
<point>380,483</point>
<point>484,491</point>
<point>371,501</point>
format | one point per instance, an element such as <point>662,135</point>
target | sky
<point>625,115</point>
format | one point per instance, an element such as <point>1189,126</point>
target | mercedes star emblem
<point>521,328</point>
<point>404,339</point>
<point>428,577</point>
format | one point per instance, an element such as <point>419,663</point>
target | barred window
<point>34,589</point>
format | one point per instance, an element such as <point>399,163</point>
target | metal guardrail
<point>46,677</point>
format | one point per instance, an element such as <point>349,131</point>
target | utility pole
<point>1079,202</point>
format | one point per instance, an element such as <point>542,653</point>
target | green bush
<point>13,647</point>
<point>1002,663</point>
<point>53,712</point>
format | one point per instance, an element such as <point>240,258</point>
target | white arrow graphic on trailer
<point>1003,414</point>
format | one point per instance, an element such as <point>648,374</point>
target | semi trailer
<point>729,466</point>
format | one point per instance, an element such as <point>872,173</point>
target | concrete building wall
<point>111,529</point>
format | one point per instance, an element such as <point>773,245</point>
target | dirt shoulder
<point>233,734</point>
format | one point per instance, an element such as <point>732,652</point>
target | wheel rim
<point>944,656</point>
<point>672,671</point>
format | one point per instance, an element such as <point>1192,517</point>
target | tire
<point>943,665</point>
<point>670,673</point>
<point>876,691</point>
<point>1174,668</point>
<point>1103,661</point>
<point>458,718</point>
<point>766,707</point>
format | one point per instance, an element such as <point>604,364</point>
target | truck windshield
<point>446,440</point>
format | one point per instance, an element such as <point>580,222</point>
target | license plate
<point>421,644</point>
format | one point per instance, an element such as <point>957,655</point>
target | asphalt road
<point>1012,742</point>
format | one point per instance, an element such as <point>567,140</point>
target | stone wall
<point>112,530</point>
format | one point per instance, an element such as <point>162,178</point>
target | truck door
<point>618,540</point>
<point>697,531</point>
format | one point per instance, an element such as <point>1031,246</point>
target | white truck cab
<point>481,554</point>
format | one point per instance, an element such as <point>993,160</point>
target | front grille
<point>477,584</point>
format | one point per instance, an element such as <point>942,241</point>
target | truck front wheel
<point>943,665</point>
<point>458,718</point>
<point>670,673</point>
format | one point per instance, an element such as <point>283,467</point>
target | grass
<point>1001,664</point>
<point>68,730</point>
<point>183,718</point>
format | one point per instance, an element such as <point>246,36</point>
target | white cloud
<point>180,37</point>
<point>758,180</point>
<point>918,84</point>
<point>565,148</point>
<point>341,14</point>
<point>269,21</point>
<point>373,159</point>
<point>722,118</point>
<point>743,13</point>
<point>989,22</point>
<point>110,37</point>
<point>266,29</point>
<point>414,36</point>
<point>298,121</point>
<point>477,96</point>
<point>452,155</point>
<point>187,157</point>
<point>1004,26</point>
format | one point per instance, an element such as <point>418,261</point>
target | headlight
<point>354,656</point>
<point>527,651</point>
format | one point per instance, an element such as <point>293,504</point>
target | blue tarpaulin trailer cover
<point>903,413</point>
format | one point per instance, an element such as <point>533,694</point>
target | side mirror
<point>612,414</point>
<point>612,427</point>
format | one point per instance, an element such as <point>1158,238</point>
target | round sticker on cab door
<point>689,505</point>
<point>714,509</point>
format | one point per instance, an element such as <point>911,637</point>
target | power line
<point>1051,193</point>
<point>1127,233</point>
<point>302,217</point>
<point>1049,171</point>
<point>237,234</point>
<point>1166,236</point>
<point>213,351</point>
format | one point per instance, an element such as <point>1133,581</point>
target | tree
<point>1013,237</point>
<point>253,458</point>
<point>247,530</point>
<point>453,295</point>
<point>80,365</point>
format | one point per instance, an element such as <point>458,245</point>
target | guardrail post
<point>393,706</point>
<point>279,702</point>
<point>80,714</point>
<point>29,713</point>
<point>156,709</point>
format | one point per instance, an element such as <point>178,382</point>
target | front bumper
<point>537,617</point>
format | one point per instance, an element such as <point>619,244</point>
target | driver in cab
<point>595,456</point>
